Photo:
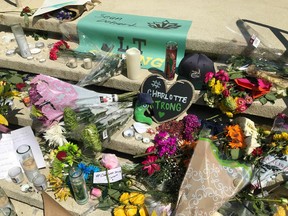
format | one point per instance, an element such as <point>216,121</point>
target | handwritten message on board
<point>168,103</point>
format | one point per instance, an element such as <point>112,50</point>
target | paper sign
<point>8,157</point>
<point>113,174</point>
<point>10,142</point>
<point>51,5</point>
<point>271,167</point>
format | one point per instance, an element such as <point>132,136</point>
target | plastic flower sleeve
<point>209,181</point>
<point>50,96</point>
<point>105,63</point>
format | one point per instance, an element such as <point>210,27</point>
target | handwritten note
<point>8,157</point>
<point>114,175</point>
<point>10,142</point>
<point>168,103</point>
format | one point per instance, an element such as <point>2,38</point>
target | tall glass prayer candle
<point>27,162</point>
<point>21,40</point>
<point>170,59</point>
<point>78,185</point>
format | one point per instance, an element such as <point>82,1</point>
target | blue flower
<point>87,170</point>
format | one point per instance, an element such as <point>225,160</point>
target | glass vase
<point>5,202</point>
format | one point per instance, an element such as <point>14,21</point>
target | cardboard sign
<point>169,103</point>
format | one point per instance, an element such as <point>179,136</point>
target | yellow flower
<point>137,198</point>
<point>124,198</point>
<point>3,120</point>
<point>62,193</point>
<point>211,82</point>
<point>154,213</point>
<point>285,151</point>
<point>119,211</point>
<point>217,88</point>
<point>130,210</point>
<point>229,114</point>
<point>280,211</point>
<point>285,135</point>
<point>277,137</point>
<point>267,132</point>
<point>12,93</point>
<point>143,211</point>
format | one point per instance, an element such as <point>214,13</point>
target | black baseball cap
<point>193,68</point>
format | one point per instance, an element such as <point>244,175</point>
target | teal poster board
<point>148,34</point>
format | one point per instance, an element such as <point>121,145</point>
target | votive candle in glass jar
<point>27,162</point>
<point>78,185</point>
<point>4,200</point>
<point>7,212</point>
<point>21,40</point>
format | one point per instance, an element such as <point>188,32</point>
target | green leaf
<point>270,97</point>
<point>263,100</point>
<point>115,194</point>
<point>236,76</point>
<point>15,79</point>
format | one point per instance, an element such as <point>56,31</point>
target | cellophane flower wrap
<point>50,96</point>
<point>209,181</point>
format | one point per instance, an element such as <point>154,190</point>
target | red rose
<point>61,155</point>
<point>26,10</point>
<point>20,86</point>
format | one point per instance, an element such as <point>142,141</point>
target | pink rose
<point>110,161</point>
<point>95,193</point>
<point>208,76</point>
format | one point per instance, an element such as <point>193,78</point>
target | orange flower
<point>186,145</point>
<point>237,137</point>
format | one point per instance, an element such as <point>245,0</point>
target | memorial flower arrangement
<point>166,161</point>
<point>233,95</point>
<point>245,80</point>
<point>262,150</point>
<point>50,96</point>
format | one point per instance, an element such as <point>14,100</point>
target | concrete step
<point>31,203</point>
<point>215,25</point>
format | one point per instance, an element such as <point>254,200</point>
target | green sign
<point>148,34</point>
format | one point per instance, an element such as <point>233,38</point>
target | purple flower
<point>165,144</point>
<point>191,124</point>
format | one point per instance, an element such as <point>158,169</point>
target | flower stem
<point>107,176</point>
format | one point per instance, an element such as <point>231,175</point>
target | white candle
<point>72,63</point>
<point>87,63</point>
<point>133,57</point>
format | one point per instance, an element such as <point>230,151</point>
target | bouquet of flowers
<point>50,96</point>
<point>165,162</point>
<point>105,64</point>
<point>234,89</point>
<point>243,159</point>
<point>122,196</point>
<point>95,124</point>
